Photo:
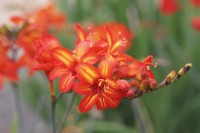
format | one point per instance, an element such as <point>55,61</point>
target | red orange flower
<point>47,16</point>
<point>117,32</point>
<point>68,60</point>
<point>169,7</point>
<point>196,23</point>
<point>195,3</point>
<point>44,46</point>
<point>8,67</point>
<point>97,35</point>
<point>8,70</point>
<point>98,86</point>
<point>140,72</point>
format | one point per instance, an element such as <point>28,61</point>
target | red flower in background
<point>44,47</point>
<point>96,34</point>
<point>8,70</point>
<point>48,17</point>
<point>29,28</point>
<point>26,39</point>
<point>196,23</point>
<point>169,7</point>
<point>195,3</point>
<point>8,67</point>
<point>5,44</point>
<point>98,86</point>
<point>117,32</point>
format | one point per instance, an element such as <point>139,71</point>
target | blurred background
<point>170,33</point>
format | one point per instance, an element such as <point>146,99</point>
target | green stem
<point>53,111</point>
<point>141,116</point>
<point>65,117</point>
<point>54,101</point>
<point>18,107</point>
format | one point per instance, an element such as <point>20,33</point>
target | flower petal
<point>90,58</point>
<point>114,93</point>
<point>80,32</point>
<point>87,73</point>
<point>112,103</point>
<point>82,48</point>
<point>88,102</point>
<point>101,103</point>
<point>105,102</point>
<point>106,68</point>
<point>64,56</point>
<point>66,82</point>
<point>45,67</point>
<point>148,60</point>
<point>82,89</point>
<point>109,37</point>
<point>57,72</point>
<point>124,58</point>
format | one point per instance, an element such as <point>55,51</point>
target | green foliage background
<point>170,39</point>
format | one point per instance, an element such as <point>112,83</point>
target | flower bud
<point>130,93</point>
<point>153,84</point>
<point>123,84</point>
<point>144,85</point>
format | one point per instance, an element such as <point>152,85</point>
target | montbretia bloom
<point>44,46</point>
<point>140,72</point>
<point>195,3</point>
<point>169,7</point>
<point>98,86</point>
<point>8,69</point>
<point>117,32</point>
<point>196,23</point>
<point>98,36</point>
<point>48,16</point>
<point>67,60</point>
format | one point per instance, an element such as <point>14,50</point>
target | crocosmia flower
<point>168,7</point>
<point>117,32</point>
<point>140,73</point>
<point>8,70</point>
<point>196,23</point>
<point>44,46</point>
<point>47,16</point>
<point>68,60</point>
<point>98,86</point>
<point>195,3</point>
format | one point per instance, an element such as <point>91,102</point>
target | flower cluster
<point>16,40</point>
<point>98,67</point>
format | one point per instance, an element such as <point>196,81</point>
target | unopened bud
<point>189,65</point>
<point>170,76</point>
<point>130,94</point>
<point>181,72</point>
<point>123,84</point>
<point>153,83</point>
<point>144,85</point>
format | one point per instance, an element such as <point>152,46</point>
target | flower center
<point>101,86</point>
